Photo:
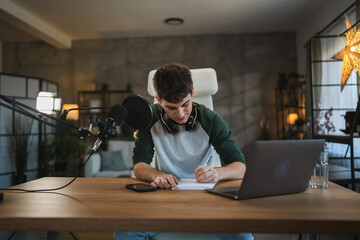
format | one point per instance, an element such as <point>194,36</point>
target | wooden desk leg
<point>53,235</point>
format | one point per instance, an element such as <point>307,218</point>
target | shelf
<point>106,98</point>
<point>292,85</point>
<point>289,99</point>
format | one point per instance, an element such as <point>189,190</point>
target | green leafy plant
<point>64,149</point>
<point>19,144</point>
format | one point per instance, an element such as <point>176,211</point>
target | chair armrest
<point>93,165</point>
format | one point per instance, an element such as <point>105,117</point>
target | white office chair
<point>205,85</point>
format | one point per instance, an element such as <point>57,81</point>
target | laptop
<point>275,168</point>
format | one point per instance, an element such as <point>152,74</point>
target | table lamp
<point>74,115</point>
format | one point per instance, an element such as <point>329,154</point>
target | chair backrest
<point>205,85</point>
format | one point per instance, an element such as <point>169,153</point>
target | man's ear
<point>158,99</point>
<point>192,92</point>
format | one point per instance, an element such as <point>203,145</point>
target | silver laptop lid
<point>275,168</point>
<point>279,167</point>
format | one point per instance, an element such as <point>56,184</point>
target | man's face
<point>178,112</point>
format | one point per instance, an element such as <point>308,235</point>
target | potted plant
<point>19,145</point>
<point>64,149</point>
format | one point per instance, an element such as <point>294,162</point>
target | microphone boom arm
<point>20,108</point>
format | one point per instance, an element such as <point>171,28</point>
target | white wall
<point>318,17</point>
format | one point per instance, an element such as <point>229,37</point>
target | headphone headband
<point>171,125</point>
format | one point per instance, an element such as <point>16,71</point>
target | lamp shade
<point>74,114</point>
<point>291,118</point>
<point>45,102</point>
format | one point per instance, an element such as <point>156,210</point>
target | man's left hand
<point>206,174</point>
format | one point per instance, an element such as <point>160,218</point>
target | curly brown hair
<point>173,82</point>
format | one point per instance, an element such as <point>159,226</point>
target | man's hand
<point>145,172</point>
<point>165,181</point>
<point>206,174</point>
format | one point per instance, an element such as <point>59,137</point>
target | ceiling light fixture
<point>174,21</point>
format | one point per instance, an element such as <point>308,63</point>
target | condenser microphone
<point>115,117</point>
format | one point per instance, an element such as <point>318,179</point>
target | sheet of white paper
<point>192,184</point>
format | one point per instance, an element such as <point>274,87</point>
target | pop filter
<point>140,113</point>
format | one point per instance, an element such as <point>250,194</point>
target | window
<point>329,104</point>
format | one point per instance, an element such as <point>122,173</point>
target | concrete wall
<point>1,60</point>
<point>247,66</point>
<point>39,59</point>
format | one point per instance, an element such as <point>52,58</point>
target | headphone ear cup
<point>172,127</point>
<point>190,124</point>
<point>169,124</point>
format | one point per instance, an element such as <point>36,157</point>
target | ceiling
<point>58,22</point>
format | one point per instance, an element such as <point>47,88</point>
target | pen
<point>208,161</point>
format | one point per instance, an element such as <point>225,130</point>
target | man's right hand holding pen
<point>206,173</point>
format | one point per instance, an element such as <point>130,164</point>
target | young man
<point>181,136</point>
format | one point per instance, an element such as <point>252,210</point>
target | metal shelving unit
<point>290,98</point>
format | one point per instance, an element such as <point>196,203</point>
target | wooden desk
<point>100,204</point>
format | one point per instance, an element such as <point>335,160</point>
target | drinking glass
<point>320,176</point>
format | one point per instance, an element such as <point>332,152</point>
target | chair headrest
<point>204,79</point>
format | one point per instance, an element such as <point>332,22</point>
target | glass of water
<point>320,176</point>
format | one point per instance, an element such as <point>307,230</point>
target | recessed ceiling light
<point>174,21</point>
